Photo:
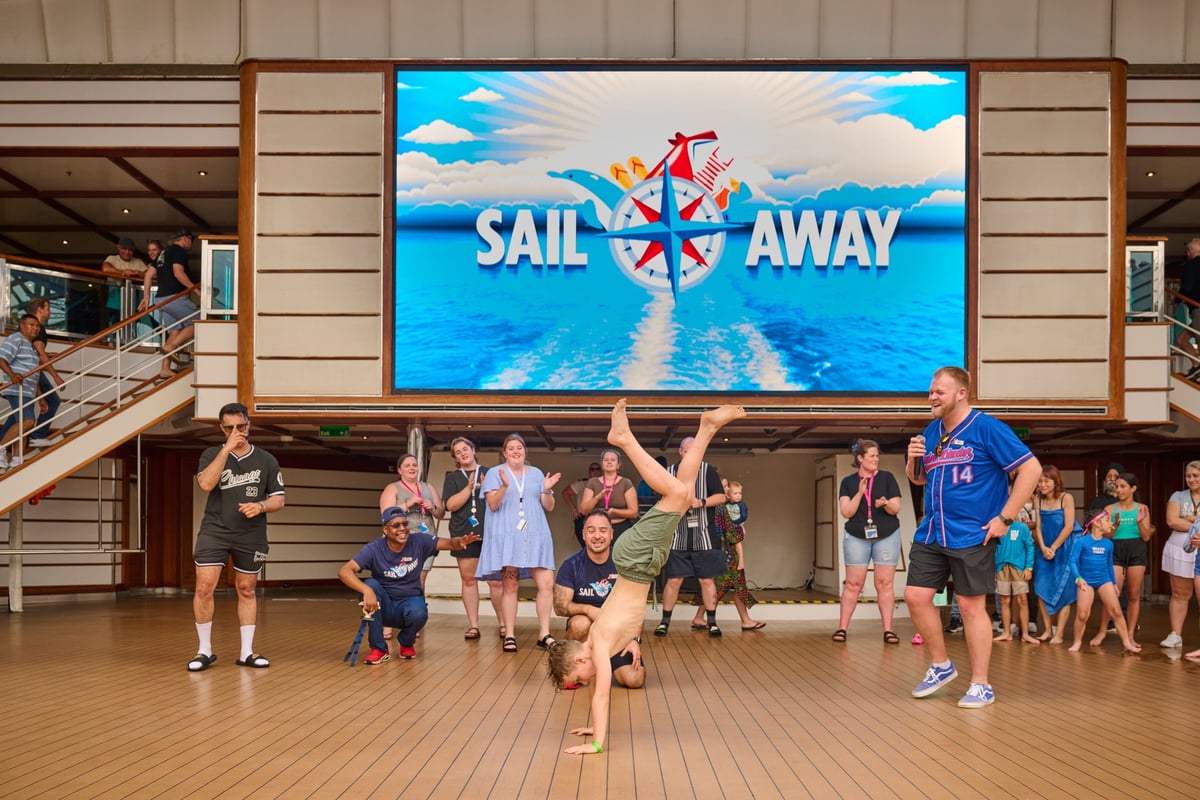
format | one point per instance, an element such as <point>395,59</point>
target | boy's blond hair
<point>561,661</point>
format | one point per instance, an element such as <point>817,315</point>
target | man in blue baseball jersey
<point>963,460</point>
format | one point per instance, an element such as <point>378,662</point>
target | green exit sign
<point>335,432</point>
<point>1022,433</point>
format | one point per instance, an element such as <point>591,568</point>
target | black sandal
<point>890,638</point>
<point>839,635</point>
<point>546,641</point>
<point>510,645</point>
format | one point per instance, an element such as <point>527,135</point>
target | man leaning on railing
<point>180,314</point>
<point>18,360</point>
<point>1189,289</point>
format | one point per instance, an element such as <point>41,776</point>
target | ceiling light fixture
<point>65,241</point>
<point>201,173</point>
<point>1149,173</point>
<point>124,210</point>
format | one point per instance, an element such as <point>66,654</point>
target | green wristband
<point>596,746</point>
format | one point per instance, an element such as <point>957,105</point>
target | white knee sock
<point>204,631</point>
<point>247,641</point>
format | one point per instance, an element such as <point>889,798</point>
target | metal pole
<point>16,538</point>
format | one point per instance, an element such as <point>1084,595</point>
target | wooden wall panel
<point>1019,131</point>
<point>326,174</point>
<point>335,130</point>
<point>319,253</point>
<point>327,91</point>
<point>997,253</point>
<point>320,378</point>
<point>1033,176</point>
<point>1066,380</point>
<point>1052,294</point>
<point>1044,89</point>
<point>1047,275</point>
<point>324,293</point>
<point>318,215</point>
<point>1036,339</point>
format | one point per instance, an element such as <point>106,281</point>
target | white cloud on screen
<point>908,79</point>
<point>876,150</point>
<point>526,130</point>
<point>439,132</point>
<point>482,95</point>
<point>949,198</point>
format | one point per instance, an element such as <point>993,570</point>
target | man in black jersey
<point>244,484</point>
<point>180,314</point>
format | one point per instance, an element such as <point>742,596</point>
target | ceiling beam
<point>141,178</point>
<point>791,437</point>
<point>1186,194</point>
<point>541,431</point>
<point>668,434</point>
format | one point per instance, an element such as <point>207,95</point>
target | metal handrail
<point>118,351</point>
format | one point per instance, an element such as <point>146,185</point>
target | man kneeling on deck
<point>639,555</point>
<point>395,586</point>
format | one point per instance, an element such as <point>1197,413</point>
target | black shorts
<point>473,550</point>
<point>1130,553</point>
<point>619,661</point>
<point>213,549</point>
<point>973,568</point>
<point>695,564</point>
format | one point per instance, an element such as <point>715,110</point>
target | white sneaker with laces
<point>39,442</point>
<point>15,461</point>
<point>1173,640</point>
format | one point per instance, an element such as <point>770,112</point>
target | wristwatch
<point>1004,519</point>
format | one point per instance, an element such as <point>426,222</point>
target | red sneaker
<point>376,657</point>
<point>407,652</point>
<point>570,687</point>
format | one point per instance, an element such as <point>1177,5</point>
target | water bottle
<point>919,467</point>
<point>1188,547</point>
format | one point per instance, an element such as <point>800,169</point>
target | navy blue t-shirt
<point>591,582</point>
<point>398,573</point>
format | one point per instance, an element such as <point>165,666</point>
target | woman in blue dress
<point>517,542</point>
<point>1053,534</point>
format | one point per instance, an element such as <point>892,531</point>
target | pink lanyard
<point>870,489</point>
<point>608,490</point>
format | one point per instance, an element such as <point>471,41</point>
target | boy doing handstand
<point>638,554</point>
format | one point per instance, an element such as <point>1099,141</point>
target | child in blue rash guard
<point>1091,562</point>
<point>1014,570</point>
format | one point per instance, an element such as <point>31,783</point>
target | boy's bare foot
<point>1097,640</point>
<point>1002,637</point>
<point>1132,647</point>
<point>1045,637</point>
<point>1075,647</point>
<point>716,417</point>
<point>1025,637</point>
<point>1056,640</point>
<point>1194,655</point>
<point>619,434</point>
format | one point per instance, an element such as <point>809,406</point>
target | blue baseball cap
<point>392,512</point>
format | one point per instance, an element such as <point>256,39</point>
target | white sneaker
<point>1173,640</point>
<point>3,458</point>
<point>15,461</point>
<point>39,442</point>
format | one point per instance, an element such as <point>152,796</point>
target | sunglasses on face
<point>241,427</point>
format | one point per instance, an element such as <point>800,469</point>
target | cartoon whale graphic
<point>602,193</point>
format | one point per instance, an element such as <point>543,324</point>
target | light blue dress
<point>1052,580</point>
<point>504,545</point>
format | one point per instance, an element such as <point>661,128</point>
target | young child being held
<point>1091,562</point>
<point>1014,570</point>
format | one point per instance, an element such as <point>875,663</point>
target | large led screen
<point>668,230</point>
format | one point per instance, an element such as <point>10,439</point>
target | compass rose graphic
<point>682,228</point>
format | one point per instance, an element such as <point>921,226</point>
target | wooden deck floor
<point>97,704</point>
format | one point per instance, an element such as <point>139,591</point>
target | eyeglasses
<point>395,526</point>
<point>242,427</point>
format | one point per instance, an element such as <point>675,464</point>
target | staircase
<point>144,405</point>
